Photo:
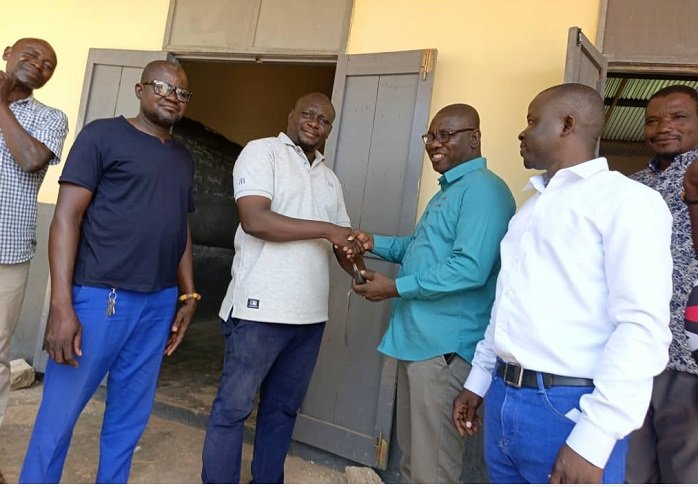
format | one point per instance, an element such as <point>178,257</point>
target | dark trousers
<point>277,360</point>
<point>665,449</point>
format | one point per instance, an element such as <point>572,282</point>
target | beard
<point>162,118</point>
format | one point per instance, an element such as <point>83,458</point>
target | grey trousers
<point>432,450</point>
<point>665,449</point>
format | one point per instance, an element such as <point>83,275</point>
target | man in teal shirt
<point>445,289</point>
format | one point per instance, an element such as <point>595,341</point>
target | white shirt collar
<point>287,140</point>
<point>582,170</point>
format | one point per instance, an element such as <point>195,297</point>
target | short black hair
<point>674,89</point>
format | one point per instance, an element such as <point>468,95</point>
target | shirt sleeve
<point>391,248</point>
<point>52,132</point>
<point>480,376</point>
<point>84,163</point>
<point>485,211</point>
<point>638,264</point>
<point>253,173</point>
<point>342,218</point>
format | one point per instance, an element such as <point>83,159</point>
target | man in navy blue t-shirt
<point>119,247</point>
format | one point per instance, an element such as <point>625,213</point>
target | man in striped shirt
<point>31,138</point>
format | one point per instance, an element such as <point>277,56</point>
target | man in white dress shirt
<point>579,325</point>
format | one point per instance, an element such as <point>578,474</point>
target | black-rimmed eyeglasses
<point>163,88</point>
<point>442,136</point>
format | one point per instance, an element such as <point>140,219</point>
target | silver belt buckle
<point>518,378</point>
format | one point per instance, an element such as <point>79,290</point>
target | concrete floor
<point>170,449</point>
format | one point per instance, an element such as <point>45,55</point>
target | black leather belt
<point>516,376</point>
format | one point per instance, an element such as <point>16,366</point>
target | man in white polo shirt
<point>292,213</point>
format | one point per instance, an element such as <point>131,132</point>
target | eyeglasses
<point>163,88</point>
<point>442,136</point>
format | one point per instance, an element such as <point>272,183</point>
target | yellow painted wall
<point>495,55</point>
<point>72,27</point>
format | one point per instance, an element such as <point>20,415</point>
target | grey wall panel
<point>383,189</point>
<point>126,101</point>
<point>584,63</point>
<point>104,91</point>
<point>218,24</point>
<point>651,31</point>
<point>258,27</point>
<point>388,165</point>
<point>302,24</point>
<point>355,128</point>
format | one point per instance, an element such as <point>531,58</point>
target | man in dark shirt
<point>119,245</point>
<point>665,449</point>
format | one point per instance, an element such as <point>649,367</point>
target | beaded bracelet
<point>184,297</point>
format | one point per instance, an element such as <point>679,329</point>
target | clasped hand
<point>377,286</point>
<point>345,242</point>
<point>6,86</point>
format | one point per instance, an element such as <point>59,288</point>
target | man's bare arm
<point>62,339</point>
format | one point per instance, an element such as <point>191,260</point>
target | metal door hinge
<point>427,63</point>
<point>381,451</point>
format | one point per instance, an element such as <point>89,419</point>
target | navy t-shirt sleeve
<point>84,164</point>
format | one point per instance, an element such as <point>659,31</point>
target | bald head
<point>563,126</point>
<point>33,40</point>
<point>453,137</point>
<point>464,113</point>
<point>30,64</point>
<point>315,99</point>
<point>581,102</point>
<point>154,68</point>
<point>310,122</point>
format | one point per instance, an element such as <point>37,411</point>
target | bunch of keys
<point>111,303</point>
<point>358,277</point>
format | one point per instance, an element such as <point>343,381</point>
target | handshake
<point>352,244</point>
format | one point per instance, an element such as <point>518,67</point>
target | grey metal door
<point>584,63</point>
<point>382,102</point>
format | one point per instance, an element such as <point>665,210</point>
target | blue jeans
<point>525,429</point>
<point>129,346</point>
<point>277,360</point>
